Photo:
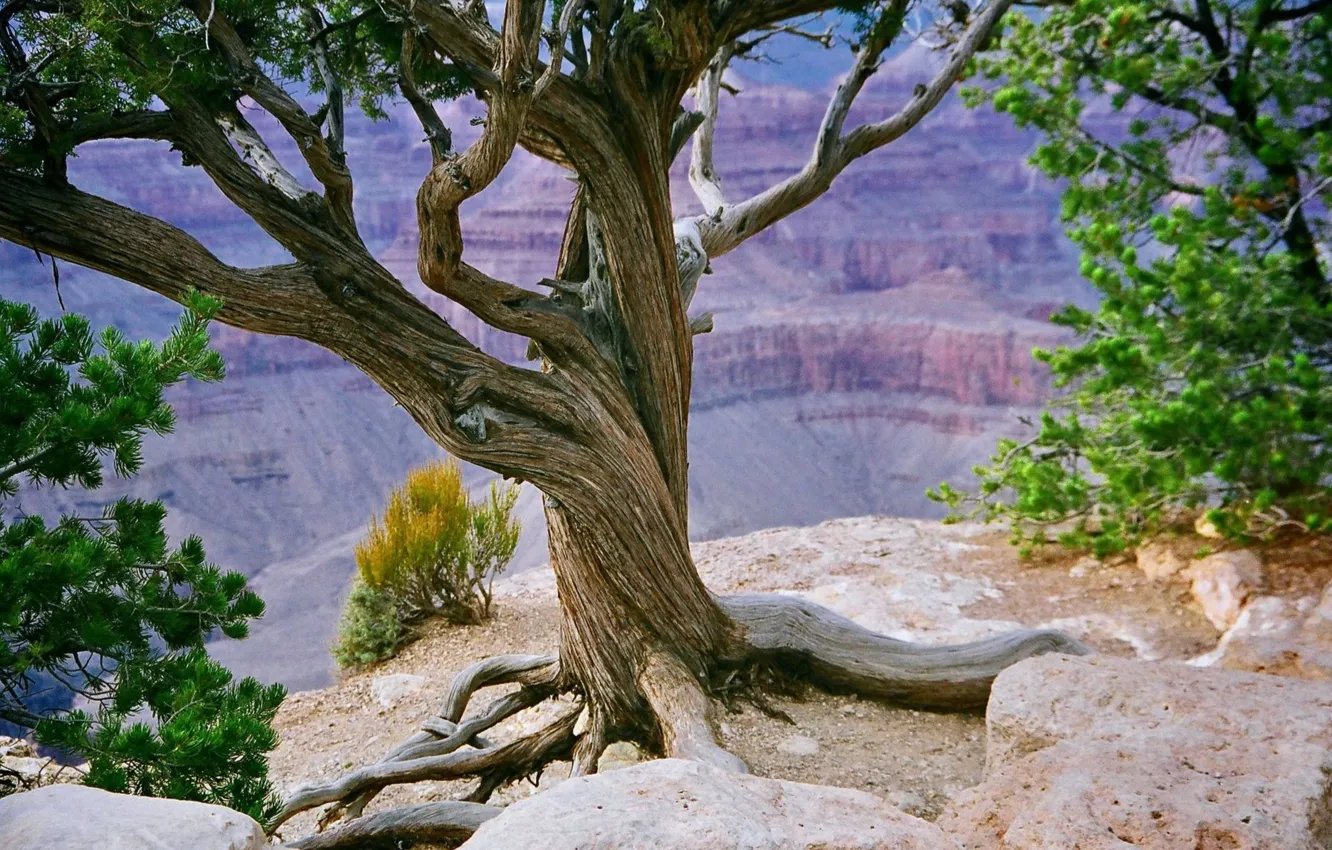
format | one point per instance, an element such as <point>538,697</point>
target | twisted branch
<point>833,151</point>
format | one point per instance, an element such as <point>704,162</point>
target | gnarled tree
<point>598,87</point>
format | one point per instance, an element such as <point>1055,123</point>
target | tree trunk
<point>628,592</point>
<point>630,596</point>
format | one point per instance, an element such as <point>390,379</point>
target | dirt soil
<point>914,579</point>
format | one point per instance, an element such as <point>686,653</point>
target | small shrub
<point>370,630</point>
<point>434,552</point>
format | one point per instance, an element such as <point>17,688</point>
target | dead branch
<point>441,140</point>
<point>323,163</point>
<point>453,181</point>
<point>834,151</point>
<point>703,176</point>
<point>336,138</point>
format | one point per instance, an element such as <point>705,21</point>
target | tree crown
<point>1196,150</point>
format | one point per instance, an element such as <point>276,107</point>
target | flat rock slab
<point>681,805</point>
<point>75,817</point>
<point>1107,753</point>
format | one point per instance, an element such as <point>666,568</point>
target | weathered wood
<point>536,672</point>
<point>684,714</point>
<point>448,821</point>
<point>840,655</point>
<point>518,758</point>
<point>624,590</point>
<point>591,744</point>
<point>726,227</point>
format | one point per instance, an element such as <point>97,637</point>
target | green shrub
<point>370,629</point>
<point>100,606</point>
<point>435,552</point>
<point>1201,383</point>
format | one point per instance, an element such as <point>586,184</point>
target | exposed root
<point>537,672</point>
<point>497,670</point>
<point>449,822</point>
<point>496,713</point>
<point>837,654</point>
<point>684,713</point>
<point>784,639</point>
<point>516,759</point>
<point>591,744</point>
<point>753,684</point>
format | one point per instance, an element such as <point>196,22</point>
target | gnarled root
<point>839,655</point>
<point>804,640</point>
<point>447,822</point>
<point>510,761</point>
<point>684,714</point>
<point>442,734</point>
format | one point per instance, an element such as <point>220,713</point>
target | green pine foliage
<point>1195,148</point>
<point>102,606</point>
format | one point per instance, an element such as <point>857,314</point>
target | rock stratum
<point>866,348</point>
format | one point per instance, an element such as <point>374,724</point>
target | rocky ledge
<point>1160,740</point>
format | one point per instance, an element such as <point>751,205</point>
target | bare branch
<point>81,228</point>
<point>337,133</point>
<point>683,128</point>
<point>834,151</point>
<point>159,125</point>
<point>323,162</point>
<point>350,23</point>
<point>254,180</point>
<point>441,140</point>
<point>824,39</point>
<point>572,10</point>
<point>566,116</point>
<point>703,176</point>
<point>453,181</point>
<point>255,149</point>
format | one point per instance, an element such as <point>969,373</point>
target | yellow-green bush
<point>437,552</point>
